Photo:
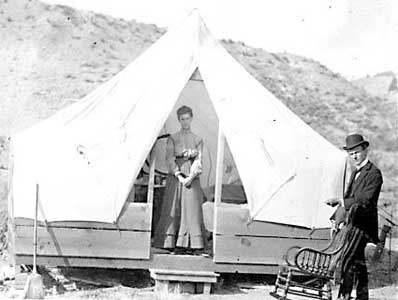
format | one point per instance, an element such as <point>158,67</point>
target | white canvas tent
<point>86,157</point>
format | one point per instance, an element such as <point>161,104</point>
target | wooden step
<point>182,281</point>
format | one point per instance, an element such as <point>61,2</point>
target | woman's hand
<point>181,179</point>
<point>187,182</point>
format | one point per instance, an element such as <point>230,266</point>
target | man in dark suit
<point>362,194</point>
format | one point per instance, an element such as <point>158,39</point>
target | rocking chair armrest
<point>313,261</point>
<point>330,244</point>
<point>289,255</point>
<point>311,250</point>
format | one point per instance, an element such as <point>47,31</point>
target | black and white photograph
<point>199,149</point>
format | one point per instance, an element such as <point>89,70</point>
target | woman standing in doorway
<point>181,222</point>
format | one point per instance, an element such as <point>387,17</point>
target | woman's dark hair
<point>184,110</point>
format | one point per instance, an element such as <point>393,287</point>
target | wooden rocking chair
<point>317,267</point>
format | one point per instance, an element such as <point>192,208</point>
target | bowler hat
<point>354,140</point>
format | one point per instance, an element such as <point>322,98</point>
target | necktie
<point>357,173</point>
<point>354,174</point>
<point>352,179</point>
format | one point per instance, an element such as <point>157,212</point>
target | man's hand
<point>334,201</point>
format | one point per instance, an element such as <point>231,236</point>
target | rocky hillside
<point>383,85</point>
<point>53,55</point>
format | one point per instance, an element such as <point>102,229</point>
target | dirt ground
<point>257,293</point>
<point>101,284</point>
<point>236,291</point>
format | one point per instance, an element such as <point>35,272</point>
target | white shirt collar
<point>362,164</point>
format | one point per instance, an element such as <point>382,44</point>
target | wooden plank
<point>135,217</point>
<point>218,185</point>
<point>84,242</point>
<point>184,278</point>
<point>164,261</point>
<point>258,250</point>
<point>185,272</point>
<point>130,199</point>
<point>183,275</point>
<point>232,220</point>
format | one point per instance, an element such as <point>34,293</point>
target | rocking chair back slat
<point>323,265</point>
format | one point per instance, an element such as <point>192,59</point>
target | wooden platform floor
<point>158,259</point>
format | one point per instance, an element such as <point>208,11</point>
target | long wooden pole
<point>151,184</point>
<point>218,184</point>
<point>35,230</point>
<point>10,219</point>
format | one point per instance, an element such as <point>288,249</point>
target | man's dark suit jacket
<point>364,192</point>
